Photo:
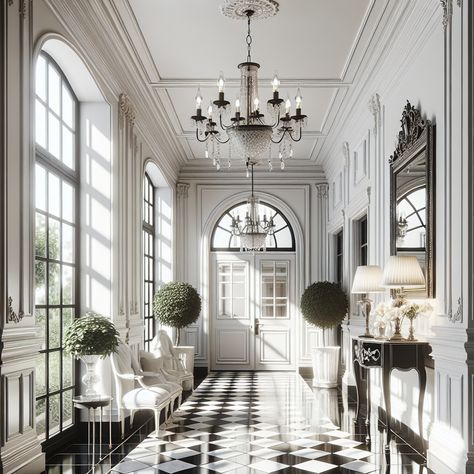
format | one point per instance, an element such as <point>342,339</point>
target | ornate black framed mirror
<point>412,195</point>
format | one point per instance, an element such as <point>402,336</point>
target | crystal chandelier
<point>252,231</point>
<point>245,126</point>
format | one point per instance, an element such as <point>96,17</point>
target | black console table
<point>370,353</point>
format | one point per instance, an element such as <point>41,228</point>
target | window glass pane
<point>68,147</point>
<point>68,108</point>
<point>68,243</point>
<point>40,78</point>
<point>40,318</point>
<point>40,416</point>
<point>221,238</point>
<point>267,286</point>
<point>40,124</point>
<point>54,371</point>
<point>53,235</point>
<point>225,307</point>
<point>54,284</point>
<point>40,283</point>
<point>67,370</point>
<point>54,89</point>
<point>54,328</point>
<point>67,408</point>
<point>267,311</point>
<point>54,136</point>
<point>40,375</point>
<point>238,290</point>
<point>68,285</point>
<point>68,202</point>
<point>281,310</point>
<point>238,308</point>
<point>280,287</point>
<point>40,235</point>
<point>54,411</point>
<point>40,187</point>
<point>54,195</point>
<point>68,317</point>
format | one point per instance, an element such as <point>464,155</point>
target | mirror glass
<point>412,203</point>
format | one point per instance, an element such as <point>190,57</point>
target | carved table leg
<point>388,406</point>
<point>422,380</point>
<point>357,375</point>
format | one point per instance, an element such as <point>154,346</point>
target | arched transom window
<point>282,239</point>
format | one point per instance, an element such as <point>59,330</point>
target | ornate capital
<point>126,108</point>
<point>447,6</point>
<point>457,316</point>
<point>12,316</point>
<point>182,190</point>
<point>374,108</point>
<point>323,190</point>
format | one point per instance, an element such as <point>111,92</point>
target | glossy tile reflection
<point>262,422</point>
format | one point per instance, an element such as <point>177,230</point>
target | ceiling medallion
<point>237,9</point>
<point>245,127</point>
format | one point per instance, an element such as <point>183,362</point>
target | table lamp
<point>367,279</point>
<point>402,272</point>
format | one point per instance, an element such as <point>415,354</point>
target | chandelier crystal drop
<point>245,127</point>
<point>253,230</point>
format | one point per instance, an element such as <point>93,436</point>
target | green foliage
<point>177,305</point>
<point>91,334</point>
<point>324,304</point>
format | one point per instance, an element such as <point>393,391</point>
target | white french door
<point>252,312</point>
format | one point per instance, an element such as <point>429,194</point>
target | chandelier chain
<point>248,39</point>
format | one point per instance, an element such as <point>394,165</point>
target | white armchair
<point>173,367</point>
<point>139,390</point>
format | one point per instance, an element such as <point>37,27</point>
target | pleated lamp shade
<point>403,272</point>
<point>367,279</point>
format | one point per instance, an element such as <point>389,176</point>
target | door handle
<point>257,326</point>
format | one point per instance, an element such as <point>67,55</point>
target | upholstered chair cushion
<point>145,398</point>
<point>150,362</point>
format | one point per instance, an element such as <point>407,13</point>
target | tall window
<point>56,237</point>
<point>363,241</point>
<point>339,256</point>
<point>149,193</point>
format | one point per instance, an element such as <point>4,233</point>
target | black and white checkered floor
<point>263,422</point>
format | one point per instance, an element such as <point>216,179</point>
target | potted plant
<point>89,338</point>
<point>324,305</point>
<point>178,305</point>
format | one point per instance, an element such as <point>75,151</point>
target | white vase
<point>90,378</point>
<point>325,366</point>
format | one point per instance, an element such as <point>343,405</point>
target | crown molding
<point>92,28</point>
<point>235,82</point>
<point>412,21</point>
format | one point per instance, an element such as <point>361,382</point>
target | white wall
<point>425,65</point>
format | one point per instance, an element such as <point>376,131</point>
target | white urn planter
<point>325,362</point>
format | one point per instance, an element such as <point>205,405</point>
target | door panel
<point>274,296</point>
<point>232,336</point>
<point>252,315</point>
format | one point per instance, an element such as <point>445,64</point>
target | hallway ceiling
<point>317,45</point>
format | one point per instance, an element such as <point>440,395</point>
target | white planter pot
<point>325,366</point>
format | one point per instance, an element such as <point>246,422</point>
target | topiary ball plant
<point>91,334</point>
<point>178,305</point>
<point>324,304</point>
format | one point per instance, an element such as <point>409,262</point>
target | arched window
<point>148,230</point>
<point>411,220</point>
<point>56,242</point>
<point>283,238</point>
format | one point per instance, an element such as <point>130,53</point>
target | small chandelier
<point>253,231</point>
<point>245,127</point>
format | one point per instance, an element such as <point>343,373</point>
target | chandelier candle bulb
<point>275,85</point>
<point>221,82</point>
